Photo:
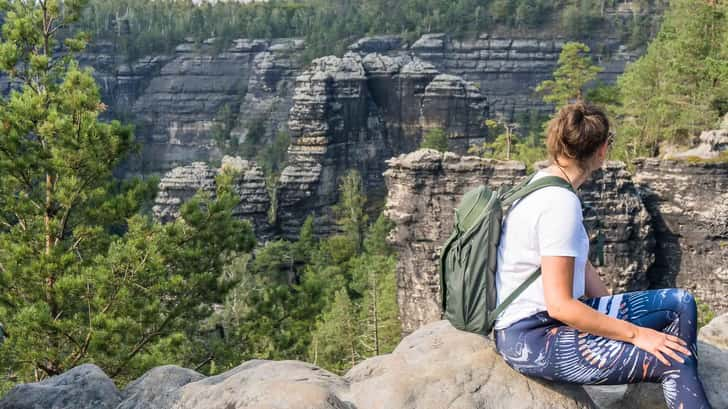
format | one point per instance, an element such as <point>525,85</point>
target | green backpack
<point>468,258</point>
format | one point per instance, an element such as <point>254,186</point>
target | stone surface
<point>424,188</point>
<point>435,367</point>
<point>83,387</point>
<point>354,112</point>
<point>716,332</point>
<point>266,385</point>
<point>181,183</point>
<point>711,145</point>
<point>688,202</point>
<point>439,366</point>
<point>158,388</point>
<point>176,99</point>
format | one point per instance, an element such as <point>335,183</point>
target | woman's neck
<point>569,171</point>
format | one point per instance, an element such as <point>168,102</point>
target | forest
<point>87,275</point>
<point>328,26</point>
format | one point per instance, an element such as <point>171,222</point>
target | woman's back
<point>546,222</point>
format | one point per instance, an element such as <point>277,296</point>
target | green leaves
<point>679,87</point>
<point>85,274</point>
<point>435,138</point>
<point>574,70</point>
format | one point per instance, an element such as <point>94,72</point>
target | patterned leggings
<point>544,347</point>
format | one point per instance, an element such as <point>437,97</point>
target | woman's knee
<point>686,301</point>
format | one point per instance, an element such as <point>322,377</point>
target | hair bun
<point>578,113</point>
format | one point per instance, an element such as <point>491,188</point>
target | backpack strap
<point>512,296</point>
<point>521,190</point>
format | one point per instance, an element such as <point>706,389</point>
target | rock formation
<point>341,120</point>
<point>424,187</point>
<point>181,183</point>
<point>175,100</point>
<point>435,367</point>
<point>711,144</point>
<point>688,201</point>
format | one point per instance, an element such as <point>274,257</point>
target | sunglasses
<point>610,138</point>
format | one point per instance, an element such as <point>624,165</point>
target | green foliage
<point>85,275</point>
<point>349,210</point>
<point>580,17</point>
<point>705,313</point>
<point>574,70</point>
<point>143,27</point>
<point>435,138</point>
<point>679,87</point>
<point>330,301</point>
<point>335,338</point>
<point>526,146</point>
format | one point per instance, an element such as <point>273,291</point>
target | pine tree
<point>435,138</point>
<point>574,70</point>
<point>349,210</point>
<point>334,343</point>
<point>84,276</point>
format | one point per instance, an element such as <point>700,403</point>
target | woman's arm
<point>557,274</point>
<point>595,287</point>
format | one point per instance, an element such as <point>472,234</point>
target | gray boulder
<point>439,366</point>
<point>158,388</point>
<point>716,332</point>
<point>262,384</point>
<point>83,387</point>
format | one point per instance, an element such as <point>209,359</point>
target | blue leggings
<point>544,347</point>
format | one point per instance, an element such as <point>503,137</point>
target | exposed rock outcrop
<point>85,386</point>
<point>175,100</point>
<point>688,201</point>
<point>435,367</point>
<point>424,188</point>
<point>339,121</point>
<point>711,144</point>
<point>181,183</point>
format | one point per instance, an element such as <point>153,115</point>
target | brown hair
<point>576,132</point>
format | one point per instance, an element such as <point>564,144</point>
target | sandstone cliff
<point>424,187</point>
<point>176,99</point>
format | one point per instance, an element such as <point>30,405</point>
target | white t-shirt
<point>547,222</point>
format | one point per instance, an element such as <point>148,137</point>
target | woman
<point>566,327</point>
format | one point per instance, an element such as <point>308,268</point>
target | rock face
<point>424,188</point>
<point>508,69</point>
<point>339,122</point>
<point>688,202</point>
<point>175,100</point>
<point>441,367</point>
<point>711,144</point>
<point>181,183</point>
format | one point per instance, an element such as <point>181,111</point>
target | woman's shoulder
<point>554,197</point>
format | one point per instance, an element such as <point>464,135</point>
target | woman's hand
<point>658,343</point>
